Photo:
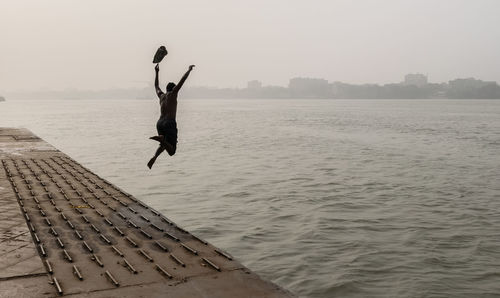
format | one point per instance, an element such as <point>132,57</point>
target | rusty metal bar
<point>58,287</point>
<point>129,266</point>
<point>156,227</point>
<point>199,239</point>
<point>108,221</point>
<point>167,221</point>
<point>189,249</point>
<point>77,272</point>
<point>211,264</point>
<point>96,259</point>
<point>87,247</point>
<point>67,256</point>
<point>112,279</point>
<point>117,251</point>
<point>49,267</point>
<point>144,254</point>
<point>163,247</point>
<point>42,250</point>
<point>119,231</point>
<point>163,271</point>
<point>146,234</point>
<point>95,228</point>
<point>177,260</point>
<point>131,241</point>
<point>121,215</point>
<point>105,239</point>
<point>171,236</point>
<point>60,242</point>
<point>78,235</point>
<point>53,232</point>
<point>133,224</point>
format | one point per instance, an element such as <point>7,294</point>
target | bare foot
<point>170,149</point>
<point>151,162</point>
<point>159,138</point>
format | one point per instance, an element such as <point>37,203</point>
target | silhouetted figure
<point>166,125</point>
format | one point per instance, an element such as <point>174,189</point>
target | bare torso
<point>168,105</point>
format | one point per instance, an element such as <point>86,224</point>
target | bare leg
<point>157,138</point>
<point>158,152</point>
<point>167,146</point>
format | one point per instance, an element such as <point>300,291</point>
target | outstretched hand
<point>191,67</point>
<point>157,67</point>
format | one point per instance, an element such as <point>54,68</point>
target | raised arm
<point>157,85</point>
<point>183,79</point>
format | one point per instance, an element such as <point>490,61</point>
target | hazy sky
<point>97,44</point>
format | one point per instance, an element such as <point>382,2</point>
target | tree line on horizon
<point>414,87</point>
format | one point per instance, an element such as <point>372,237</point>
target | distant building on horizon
<point>415,79</point>
<point>309,87</point>
<point>468,84</point>
<point>255,84</point>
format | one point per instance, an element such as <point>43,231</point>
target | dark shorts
<point>168,128</point>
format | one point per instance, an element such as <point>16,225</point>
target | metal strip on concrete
<point>66,231</point>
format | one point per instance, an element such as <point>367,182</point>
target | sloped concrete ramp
<point>64,231</point>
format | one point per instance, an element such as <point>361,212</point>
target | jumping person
<point>166,125</point>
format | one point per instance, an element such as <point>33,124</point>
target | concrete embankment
<point>64,231</point>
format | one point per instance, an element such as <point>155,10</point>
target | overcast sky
<point>98,44</point>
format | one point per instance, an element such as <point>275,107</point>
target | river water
<point>327,198</point>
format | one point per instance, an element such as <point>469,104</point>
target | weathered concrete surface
<point>21,270</point>
<point>61,222</point>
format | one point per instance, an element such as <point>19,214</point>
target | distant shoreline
<point>415,86</point>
